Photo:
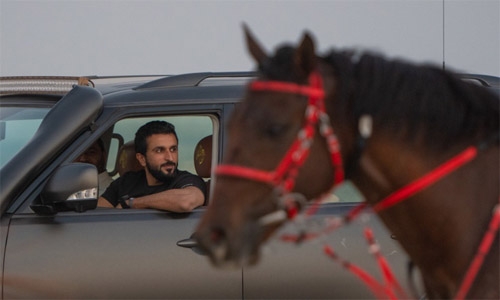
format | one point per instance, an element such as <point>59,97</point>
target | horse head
<point>275,144</point>
<point>284,142</point>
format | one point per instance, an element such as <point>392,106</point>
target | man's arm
<point>102,202</point>
<point>174,200</point>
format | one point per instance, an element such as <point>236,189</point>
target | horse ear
<point>253,46</point>
<point>305,57</point>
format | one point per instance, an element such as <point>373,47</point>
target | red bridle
<point>283,177</point>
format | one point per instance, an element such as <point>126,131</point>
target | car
<point>55,242</point>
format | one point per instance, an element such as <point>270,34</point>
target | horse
<point>414,133</point>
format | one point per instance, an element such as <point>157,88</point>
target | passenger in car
<point>96,155</point>
<point>160,185</point>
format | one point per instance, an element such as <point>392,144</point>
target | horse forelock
<point>280,66</point>
<point>414,100</point>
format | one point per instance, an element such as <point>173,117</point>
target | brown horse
<point>393,123</point>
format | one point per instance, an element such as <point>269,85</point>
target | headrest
<point>126,159</point>
<point>203,157</point>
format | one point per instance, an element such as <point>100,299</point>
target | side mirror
<point>72,187</point>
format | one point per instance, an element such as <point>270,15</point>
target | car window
<point>18,124</point>
<point>346,192</point>
<point>190,130</point>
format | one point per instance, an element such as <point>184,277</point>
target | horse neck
<point>439,227</point>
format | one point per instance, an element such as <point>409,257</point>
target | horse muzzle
<point>228,248</point>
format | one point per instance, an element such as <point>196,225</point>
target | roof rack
<point>484,80</point>
<point>47,85</point>
<point>191,79</point>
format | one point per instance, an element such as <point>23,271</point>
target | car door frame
<point>21,216</point>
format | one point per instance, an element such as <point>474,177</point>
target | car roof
<point>183,84</point>
<point>197,88</point>
<point>60,85</point>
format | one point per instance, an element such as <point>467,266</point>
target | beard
<point>161,175</point>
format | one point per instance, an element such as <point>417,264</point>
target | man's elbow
<point>188,206</point>
<point>103,202</point>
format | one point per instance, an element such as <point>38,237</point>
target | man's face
<point>161,157</point>
<point>93,155</point>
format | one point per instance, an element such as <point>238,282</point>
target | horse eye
<point>276,130</point>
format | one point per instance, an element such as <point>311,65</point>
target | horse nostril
<point>217,235</point>
<point>214,241</point>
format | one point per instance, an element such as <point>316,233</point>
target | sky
<point>152,37</point>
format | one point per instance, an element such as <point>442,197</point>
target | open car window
<point>191,129</point>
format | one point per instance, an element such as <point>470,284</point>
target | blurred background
<point>138,37</point>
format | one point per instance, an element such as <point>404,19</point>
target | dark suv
<point>55,243</point>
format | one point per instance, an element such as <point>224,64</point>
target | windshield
<point>17,127</point>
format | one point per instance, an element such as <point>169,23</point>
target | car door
<point>110,253</point>
<point>304,271</point>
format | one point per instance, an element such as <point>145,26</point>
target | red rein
<point>284,176</point>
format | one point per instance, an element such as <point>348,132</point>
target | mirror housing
<point>72,187</point>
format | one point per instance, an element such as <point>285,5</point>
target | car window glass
<point>17,127</point>
<point>346,192</point>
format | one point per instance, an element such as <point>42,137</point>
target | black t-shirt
<point>134,184</point>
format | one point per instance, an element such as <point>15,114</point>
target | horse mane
<point>413,101</point>
<point>406,99</point>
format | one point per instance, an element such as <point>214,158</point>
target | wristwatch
<point>131,202</point>
<point>126,201</point>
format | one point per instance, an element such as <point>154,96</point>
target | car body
<point>56,247</point>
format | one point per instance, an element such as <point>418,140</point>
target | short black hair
<point>147,130</point>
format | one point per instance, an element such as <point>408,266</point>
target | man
<point>160,185</point>
<point>96,155</point>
